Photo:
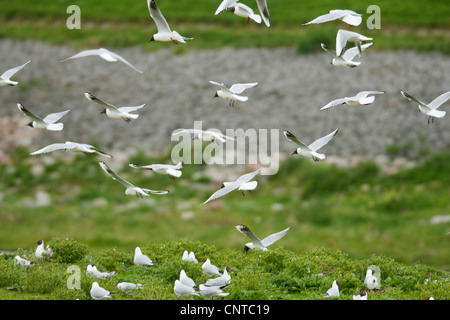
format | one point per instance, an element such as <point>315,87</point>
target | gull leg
<point>248,20</point>
<point>126,119</point>
<point>174,41</point>
<point>243,194</point>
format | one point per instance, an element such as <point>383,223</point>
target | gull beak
<point>30,124</point>
<point>215,95</point>
<point>295,152</point>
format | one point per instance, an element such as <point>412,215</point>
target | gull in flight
<point>5,78</point>
<point>233,93</point>
<point>220,281</point>
<point>370,280</point>
<point>140,258</point>
<point>344,36</point>
<point>345,58</point>
<point>103,53</point>
<point>164,33</point>
<point>310,150</point>
<point>348,16</point>
<point>72,146</point>
<point>48,123</point>
<point>114,112</point>
<point>362,98</point>
<point>41,251</point>
<point>238,9</point>
<point>258,243</point>
<point>131,190</point>
<point>172,170</point>
<point>209,268</point>
<point>211,291</point>
<point>430,109</point>
<point>99,274</point>
<point>186,280</point>
<point>22,261</point>
<point>232,4</point>
<point>182,289</point>
<point>334,290</point>
<point>241,183</point>
<point>128,286</point>
<point>99,293</point>
<point>205,135</point>
<point>189,256</point>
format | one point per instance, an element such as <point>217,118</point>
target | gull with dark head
<point>258,243</point>
<point>103,53</point>
<point>244,11</point>
<point>72,146</point>
<point>164,34</point>
<point>131,190</point>
<point>114,112</point>
<point>430,109</point>
<point>172,170</point>
<point>5,78</point>
<point>346,56</point>
<point>47,123</point>
<point>348,16</point>
<point>233,93</point>
<point>311,149</point>
<point>360,99</point>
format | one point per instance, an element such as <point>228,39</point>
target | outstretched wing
<point>332,15</point>
<point>27,113</point>
<point>439,100</point>
<point>85,53</point>
<point>98,101</point>
<point>262,7</point>
<point>118,57</point>
<point>114,175</point>
<point>130,108</point>
<point>53,117</point>
<point>334,103</point>
<point>319,143</point>
<point>157,16</point>
<point>54,147</point>
<point>274,237</point>
<point>249,233</point>
<point>411,98</point>
<point>225,5</point>
<point>294,139</point>
<point>241,87</point>
<point>9,73</point>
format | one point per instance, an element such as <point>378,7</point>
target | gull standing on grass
<point>41,251</point>
<point>348,16</point>
<point>241,183</point>
<point>114,112</point>
<point>182,289</point>
<point>140,258</point>
<point>220,281</point>
<point>172,170</point>
<point>128,286</point>
<point>103,53</point>
<point>5,78</point>
<point>430,109</point>
<point>211,291</point>
<point>186,280</point>
<point>48,123</point>
<point>72,146</point>
<point>310,150</point>
<point>370,280</point>
<point>164,34</point>
<point>99,293</point>
<point>131,190</point>
<point>346,56</point>
<point>22,261</point>
<point>333,291</point>
<point>189,256</point>
<point>361,98</point>
<point>205,135</point>
<point>258,243</point>
<point>209,268</point>
<point>99,274</point>
<point>233,93</point>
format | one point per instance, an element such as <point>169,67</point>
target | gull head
<point>39,242</point>
<point>30,124</point>
<point>152,39</point>
<point>295,152</point>
<point>215,95</point>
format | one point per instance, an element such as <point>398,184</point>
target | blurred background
<point>383,188</point>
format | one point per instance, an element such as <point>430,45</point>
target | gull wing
<point>27,113</point>
<point>53,117</point>
<point>225,5</point>
<point>155,191</point>
<point>85,53</point>
<point>174,172</point>
<point>262,7</point>
<point>54,147</point>
<point>218,135</point>
<point>9,73</point>
<point>157,16</point>
<point>319,143</point>
<point>274,237</point>
<point>251,185</point>
<point>439,100</point>
<point>115,176</point>
<point>342,37</point>
<point>130,108</point>
<point>241,87</point>
<point>294,139</point>
<point>330,16</point>
<point>352,18</point>
<point>411,98</point>
<point>330,51</point>
<point>99,151</point>
<point>118,57</point>
<point>96,100</point>
<point>351,53</point>
<point>334,103</point>
<point>249,233</point>
<point>222,86</point>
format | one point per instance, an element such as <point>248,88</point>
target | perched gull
<point>48,123</point>
<point>41,251</point>
<point>241,182</point>
<point>334,290</point>
<point>140,258</point>
<point>22,261</point>
<point>205,135</point>
<point>189,256</point>
<point>181,289</point>
<point>172,170</point>
<point>344,36</point>
<point>233,93</point>
<point>310,150</point>
<point>72,146</point>
<point>220,281</point>
<point>186,280</point>
<point>361,98</point>
<point>348,16</point>
<point>131,190</point>
<point>256,242</point>
<point>5,78</point>
<point>430,109</point>
<point>128,286</point>
<point>244,10</point>
<point>164,33</point>
<point>211,291</point>
<point>99,293</point>
<point>345,58</point>
<point>360,296</point>
<point>114,112</point>
<point>103,53</point>
<point>99,274</point>
<point>209,268</point>
<point>370,280</point>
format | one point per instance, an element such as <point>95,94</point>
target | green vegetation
<point>419,25</point>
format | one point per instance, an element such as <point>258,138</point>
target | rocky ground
<point>176,90</point>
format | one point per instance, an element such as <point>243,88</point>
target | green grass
<point>418,25</point>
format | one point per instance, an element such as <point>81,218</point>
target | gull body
<point>334,290</point>
<point>114,112</point>
<point>41,251</point>
<point>164,34</point>
<point>346,56</point>
<point>128,286</point>
<point>311,149</point>
<point>189,256</point>
<point>348,16</point>
<point>99,274</point>
<point>220,281</point>
<point>430,109</point>
<point>22,261</point>
<point>186,280</point>
<point>205,135</point>
<point>209,268</point>
<point>258,243</point>
<point>5,78</point>
<point>182,289</point>
<point>140,258</point>
<point>211,291</point>
<point>233,93</point>
<point>361,98</point>
<point>172,170</point>
<point>47,123</point>
<point>99,293</point>
<point>244,10</point>
<point>242,180</point>
<point>370,280</point>
<point>131,190</point>
<point>72,146</point>
<point>103,53</point>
